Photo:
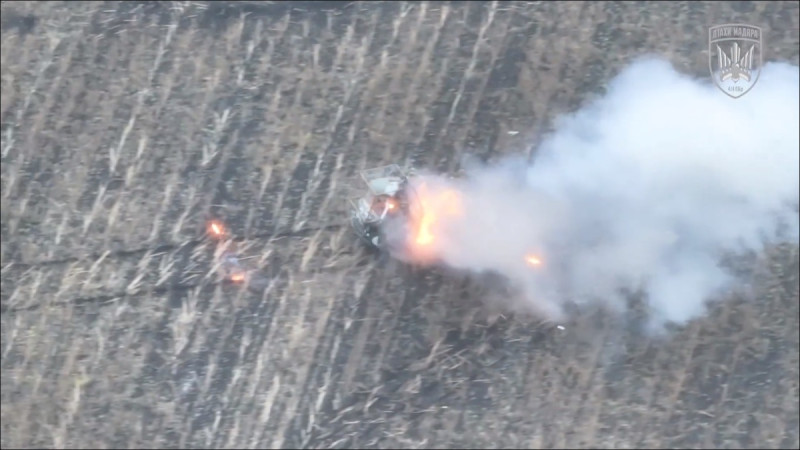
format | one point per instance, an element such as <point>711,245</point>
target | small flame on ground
<point>533,260</point>
<point>237,277</point>
<point>216,229</point>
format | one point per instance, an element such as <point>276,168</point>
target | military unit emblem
<point>735,57</point>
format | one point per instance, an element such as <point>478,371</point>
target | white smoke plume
<point>642,189</point>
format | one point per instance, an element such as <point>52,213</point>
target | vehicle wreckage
<point>380,215</point>
<point>393,215</point>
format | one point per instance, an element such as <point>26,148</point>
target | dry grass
<point>126,125</point>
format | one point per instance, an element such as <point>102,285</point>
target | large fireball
<point>434,207</point>
<point>431,209</point>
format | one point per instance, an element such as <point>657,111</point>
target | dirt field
<point>126,125</point>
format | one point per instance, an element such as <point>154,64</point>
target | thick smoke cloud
<point>643,189</point>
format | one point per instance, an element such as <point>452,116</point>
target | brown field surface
<point>125,126</point>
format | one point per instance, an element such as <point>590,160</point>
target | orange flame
<point>435,205</point>
<point>533,260</point>
<point>216,229</point>
<point>237,277</point>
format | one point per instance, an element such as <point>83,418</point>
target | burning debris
<point>641,191</point>
<point>409,215</point>
<point>229,263</point>
<point>533,260</point>
<point>216,230</point>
